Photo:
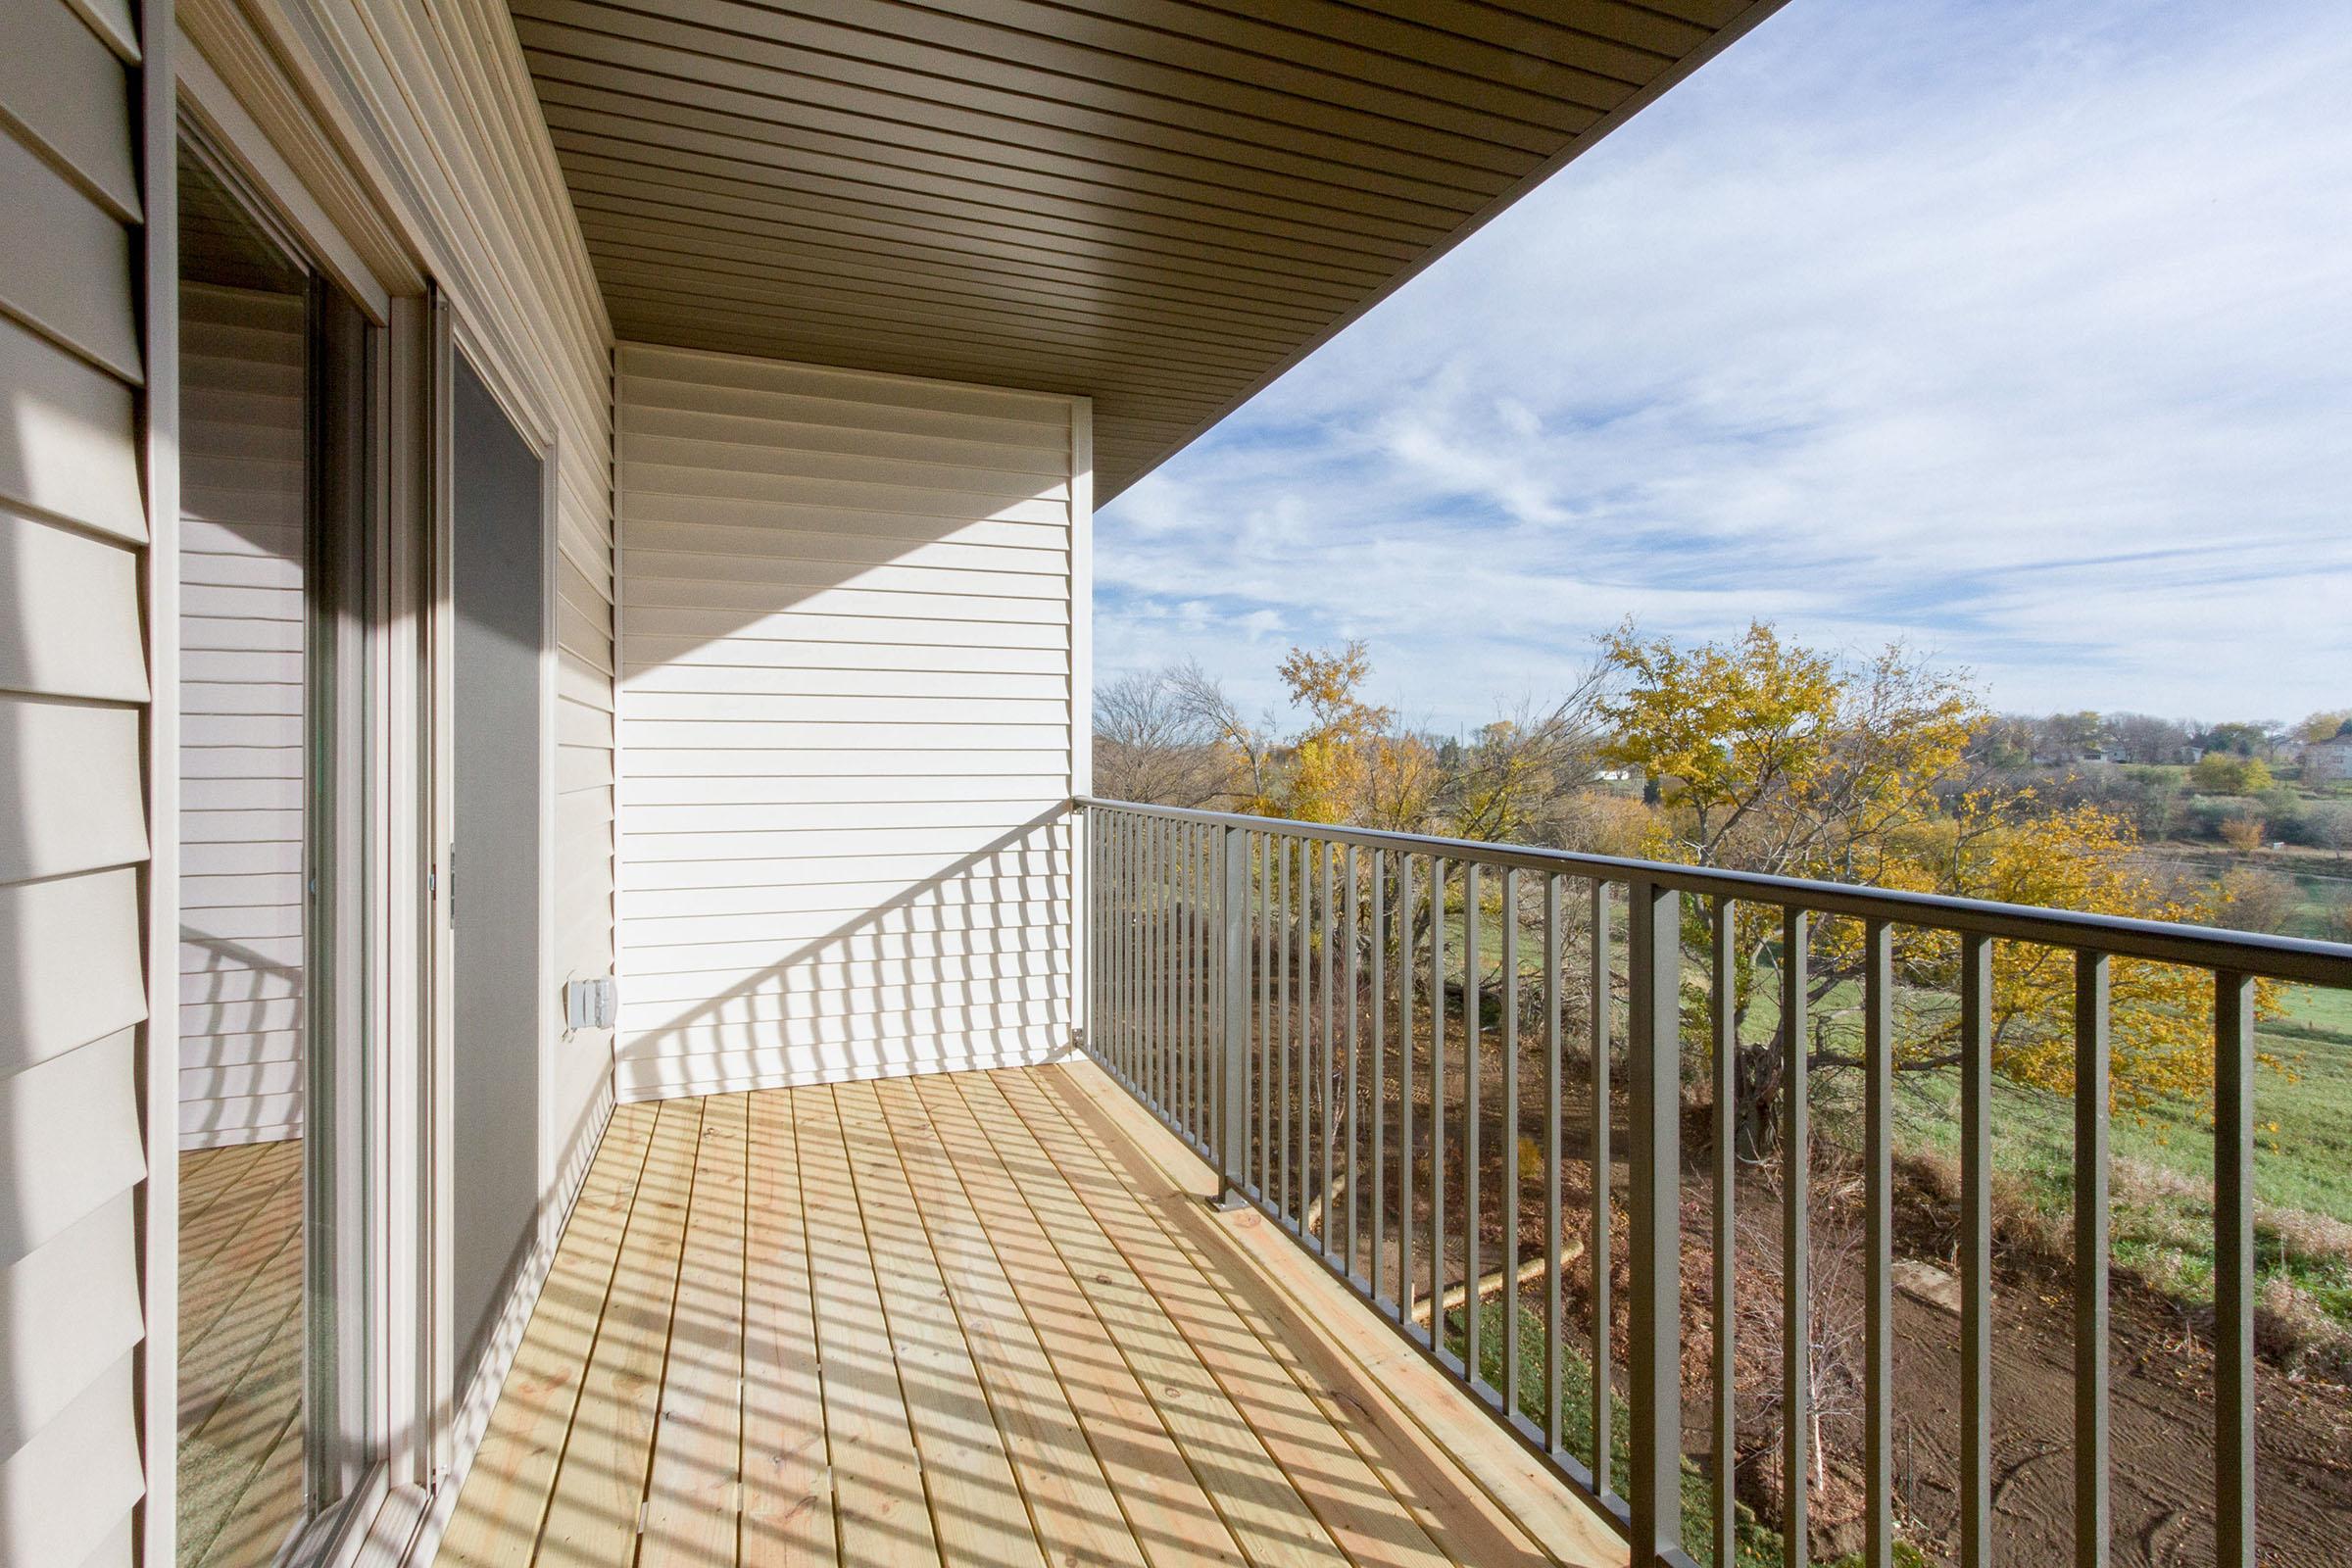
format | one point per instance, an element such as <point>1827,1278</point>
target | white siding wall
<point>241,793</point>
<point>73,840</point>
<point>849,638</point>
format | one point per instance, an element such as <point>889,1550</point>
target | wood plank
<point>592,1514</point>
<point>881,1507</point>
<point>692,1497</point>
<point>787,1471</point>
<point>1345,1494</point>
<point>1255,1497</point>
<point>1458,1435</point>
<point>266,1511</point>
<point>505,1499</point>
<point>1053,1447</point>
<point>977,1504</point>
<point>1471,1526</point>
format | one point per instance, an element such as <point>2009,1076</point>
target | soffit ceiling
<point>1159,203</point>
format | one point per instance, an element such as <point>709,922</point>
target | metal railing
<point>1282,995</point>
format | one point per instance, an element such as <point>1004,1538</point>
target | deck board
<point>960,1319</point>
<point>240,1351</point>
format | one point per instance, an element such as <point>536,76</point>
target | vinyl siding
<point>846,718</point>
<point>242,561</point>
<point>74,685</point>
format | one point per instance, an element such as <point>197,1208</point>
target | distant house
<point>2325,761</point>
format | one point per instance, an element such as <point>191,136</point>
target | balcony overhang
<point>1158,204</point>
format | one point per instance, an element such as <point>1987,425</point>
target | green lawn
<point>2161,1187</point>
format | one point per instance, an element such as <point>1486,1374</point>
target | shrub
<point>2227,773</point>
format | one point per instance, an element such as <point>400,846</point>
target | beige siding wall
<point>241,793</point>
<point>73,682</point>
<point>847,636</point>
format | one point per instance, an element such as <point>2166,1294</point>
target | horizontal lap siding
<point>846,715</point>
<point>74,839</point>
<point>241,566</point>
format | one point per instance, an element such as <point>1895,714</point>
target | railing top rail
<point>2292,959</point>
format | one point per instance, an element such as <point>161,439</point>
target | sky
<point>2020,333</point>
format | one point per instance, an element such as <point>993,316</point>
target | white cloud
<point>2021,331</point>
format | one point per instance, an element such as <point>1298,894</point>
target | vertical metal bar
<point>2234,1269</point>
<point>1092,823</point>
<point>1328,1089</point>
<point>1604,1309</point>
<point>1309,854</point>
<point>1379,1070</point>
<point>1233,910</point>
<point>1436,1103</point>
<point>2091,1259</point>
<point>1196,1093</point>
<point>1554,1362</point>
<point>1122,1060</point>
<point>1147,935</point>
<point>1655,1312</point>
<point>1354,1117</point>
<point>1510,1141</point>
<point>1723,1018</point>
<point>1281,847</point>
<point>1796,1196</point>
<point>1473,1168</point>
<point>1878,1240</point>
<point>1264,902</point>
<point>1404,1095</point>
<point>1975,1252</point>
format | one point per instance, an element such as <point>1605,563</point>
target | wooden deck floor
<point>240,1353</point>
<point>975,1319</point>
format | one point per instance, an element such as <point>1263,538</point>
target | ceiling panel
<point>1160,204</point>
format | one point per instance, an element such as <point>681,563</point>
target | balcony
<point>997,1317</point>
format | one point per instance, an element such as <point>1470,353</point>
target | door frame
<point>376,801</point>
<point>459,1416</point>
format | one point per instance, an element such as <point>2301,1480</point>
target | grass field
<point>2161,1187</point>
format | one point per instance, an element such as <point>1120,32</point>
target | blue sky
<point>2021,332</point>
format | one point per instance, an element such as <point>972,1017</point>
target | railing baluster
<point>1405,1098</point>
<point>1436,1108</point>
<point>1233,975</point>
<point>1473,1167</point>
<point>1282,1017</point>
<point>1510,1141</point>
<point>1325,855</point>
<point>1723,1018</point>
<point>1123,936</point>
<point>1149,934</point>
<point>1603,1353</point>
<point>1975,1252</point>
<point>2234,1269</point>
<point>1309,854</point>
<point>1354,1101</point>
<point>1878,1307</point>
<point>1654,1120</point>
<point>1796,1198</point>
<point>2091,1517</point>
<point>1380,1070</point>
<point>1266,843</point>
<point>1554,1363</point>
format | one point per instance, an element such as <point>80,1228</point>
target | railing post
<point>1233,982</point>
<point>1654,1051</point>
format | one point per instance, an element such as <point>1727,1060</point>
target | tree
<point>1152,744</point>
<point>2145,738</point>
<point>1328,769</point>
<point>2325,725</point>
<point>1773,758</point>
<point>2256,900</point>
<point>1249,747</point>
<point>2222,772</point>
